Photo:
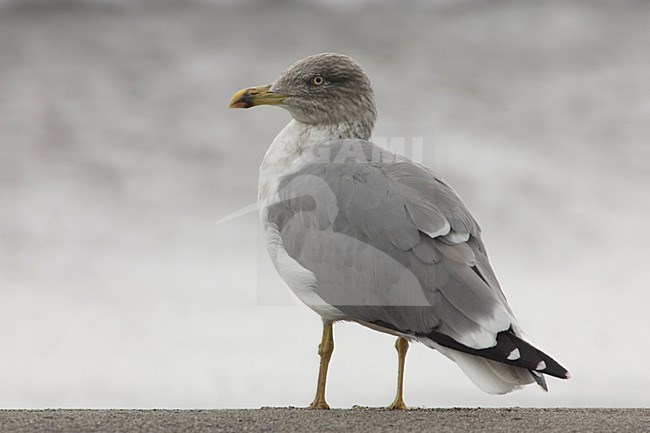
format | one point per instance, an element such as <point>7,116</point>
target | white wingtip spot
<point>541,366</point>
<point>514,355</point>
<point>567,375</point>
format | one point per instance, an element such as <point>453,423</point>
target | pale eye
<point>318,80</point>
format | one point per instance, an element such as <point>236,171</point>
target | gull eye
<point>318,80</point>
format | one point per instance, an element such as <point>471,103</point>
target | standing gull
<point>361,234</point>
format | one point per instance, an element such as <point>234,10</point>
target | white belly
<point>301,281</point>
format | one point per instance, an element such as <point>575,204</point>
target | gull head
<point>323,89</point>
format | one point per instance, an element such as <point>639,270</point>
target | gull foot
<point>398,404</point>
<point>319,405</point>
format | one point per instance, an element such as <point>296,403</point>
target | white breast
<point>285,156</point>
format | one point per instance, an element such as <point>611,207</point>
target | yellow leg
<point>402,346</point>
<point>325,349</point>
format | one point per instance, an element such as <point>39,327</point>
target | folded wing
<point>392,246</point>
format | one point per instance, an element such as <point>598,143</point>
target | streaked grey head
<point>328,89</point>
<point>323,89</point>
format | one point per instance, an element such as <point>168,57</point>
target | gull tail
<point>509,365</point>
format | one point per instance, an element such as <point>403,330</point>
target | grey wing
<point>391,245</point>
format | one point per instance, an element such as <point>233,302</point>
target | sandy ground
<point>354,420</point>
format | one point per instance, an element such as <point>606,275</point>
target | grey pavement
<point>338,420</point>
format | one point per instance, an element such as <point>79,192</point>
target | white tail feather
<point>491,376</point>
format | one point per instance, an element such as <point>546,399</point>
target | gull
<point>361,234</point>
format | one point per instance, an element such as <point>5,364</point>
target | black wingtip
<point>539,378</point>
<point>510,349</point>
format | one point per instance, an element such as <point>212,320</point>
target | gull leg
<point>402,346</point>
<point>325,349</point>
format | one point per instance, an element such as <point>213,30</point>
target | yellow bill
<point>253,96</point>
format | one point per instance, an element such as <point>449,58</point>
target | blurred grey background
<point>118,157</point>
